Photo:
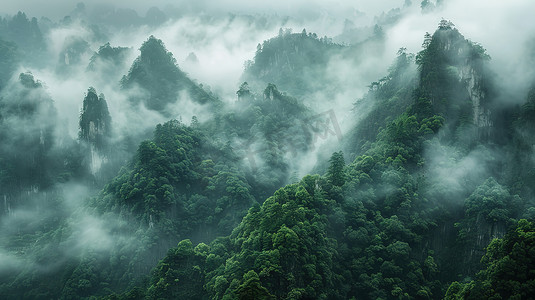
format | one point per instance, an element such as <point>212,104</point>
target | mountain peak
<point>156,71</point>
<point>95,120</point>
<point>453,75</point>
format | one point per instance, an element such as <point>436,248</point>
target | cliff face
<point>297,63</point>
<point>473,81</point>
<point>95,128</point>
<point>454,78</point>
<point>74,51</point>
<point>95,119</point>
<point>27,135</point>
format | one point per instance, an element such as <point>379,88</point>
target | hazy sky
<point>502,27</point>
<point>60,8</point>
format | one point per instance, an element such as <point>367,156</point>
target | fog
<point>56,9</point>
<point>223,36</point>
<point>502,28</point>
<point>222,43</point>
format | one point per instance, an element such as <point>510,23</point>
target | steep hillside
<point>383,225</point>
<point>158,81</point>
<point>300,63</point>
<point>305,184</point>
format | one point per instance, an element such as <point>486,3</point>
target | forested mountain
<point>140,182</point>
<point>380,212</point>
<point>25,33</point>
<point>108,60</point>
<point>508,263</point>
<point>382,226</point>
<point>156,73</point>
<point>294,61</point>
<point>8,60</point>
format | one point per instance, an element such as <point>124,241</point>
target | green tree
<point>252,288</point>
<point>336,172</point>
<point>9,57</point>
<point>509,265</point>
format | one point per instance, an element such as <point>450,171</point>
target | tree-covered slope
<point>300,63</point>
<point>425,190</point>
<point>8,61</point>
<point>26,34</point>
<point>269,132</point>
<point>158,81</point>
<point>178,185</point>
<point>108,61</point>
<point>381,227</point>
<point>27,120</point>
<point>279,59</point>
<point>509,268</point>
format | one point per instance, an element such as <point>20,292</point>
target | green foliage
<point>508,273</point>
<point>8,61</point>
<point>26,34</point>
<point>27,121</point>
<point>291,61</point>
<point>170,178</point>
<point>269,129</point>
<point>275,240</point>
<point>386,99</point>
<point>252,288</point>
<point>156,72</point>
<point>280,250</point>
<point>488,212</point>
<point>175,187</point>
<point>179,275</point>
<point>95,120</point>
<point>244,93</point>
<point>108,62</point>
<point>490,202</point>
<point>443,62</point>
<point>381,227</point>
<point>335,173</point>
<point>522,167</point>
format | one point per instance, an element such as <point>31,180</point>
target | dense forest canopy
<point>240,151</point>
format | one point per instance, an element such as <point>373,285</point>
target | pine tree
<point>335,173</point>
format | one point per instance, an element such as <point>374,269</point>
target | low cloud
<point>453,174</point>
